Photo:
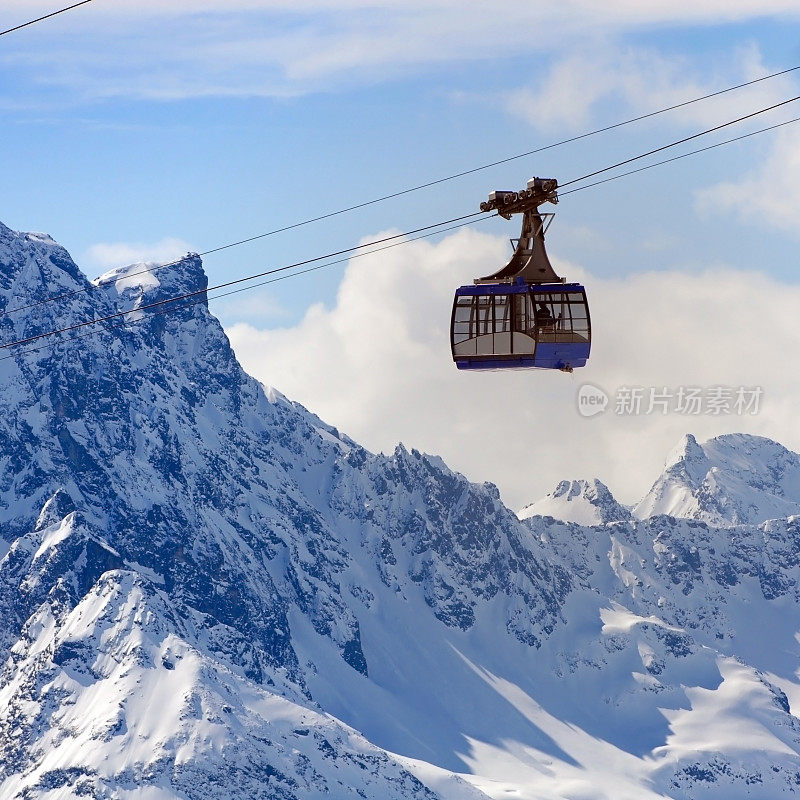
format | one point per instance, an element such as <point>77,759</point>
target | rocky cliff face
<point>207,589</point>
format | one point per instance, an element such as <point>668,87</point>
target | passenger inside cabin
<point>543,316</point>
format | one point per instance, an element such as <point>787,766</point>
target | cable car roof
<point>519,287</point>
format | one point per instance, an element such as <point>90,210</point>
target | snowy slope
<point>119,693</point>
<point>207,587</point>
<point>700,623</point>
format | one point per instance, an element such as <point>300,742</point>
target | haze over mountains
<point>208,592</point>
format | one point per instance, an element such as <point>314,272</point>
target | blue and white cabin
<point>524,315</point>
<point>502,326</point>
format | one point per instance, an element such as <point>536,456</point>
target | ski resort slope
<point>206,591</point>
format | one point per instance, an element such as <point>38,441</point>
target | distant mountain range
<point>208,592</point>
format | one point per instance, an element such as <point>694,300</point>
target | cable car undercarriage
<point>524,315</point>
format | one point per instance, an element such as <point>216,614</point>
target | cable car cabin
<point>502,326</point>
<point>524,315</point>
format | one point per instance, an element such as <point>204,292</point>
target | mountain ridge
<point>727,480</point>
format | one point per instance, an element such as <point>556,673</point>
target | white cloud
<point>119,254</point>
<point>641,80</point>
<point>188,48</point>
<point>770,192</point>
<point>378,366</point>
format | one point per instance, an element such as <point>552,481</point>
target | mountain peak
<point>729,480</point>
<point>145,283</point>
<point>33,266</point>
<point>581,501</point>
<point>149,274</point>
<point>686,451</point>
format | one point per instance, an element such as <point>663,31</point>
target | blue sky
<point>140,129</point>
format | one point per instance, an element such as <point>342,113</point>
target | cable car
<point>524,315</point>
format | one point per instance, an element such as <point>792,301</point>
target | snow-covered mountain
<point>581,501</point>
<point>208,592</point>
<point>731,480</point>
